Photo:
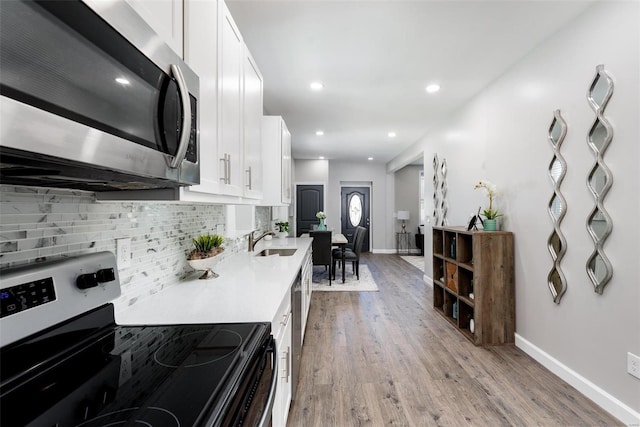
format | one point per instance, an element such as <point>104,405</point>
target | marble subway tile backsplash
<point>40,223</point>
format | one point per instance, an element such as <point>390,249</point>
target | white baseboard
<point>428,280</point>
<point>395,251</point>
<point>599,396</point>
<point>383,251</point>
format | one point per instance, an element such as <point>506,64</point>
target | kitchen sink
<point>281,252</point>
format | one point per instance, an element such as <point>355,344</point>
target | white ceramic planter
<point>206,265</point>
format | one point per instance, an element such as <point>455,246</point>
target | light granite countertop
<point>249,289</point>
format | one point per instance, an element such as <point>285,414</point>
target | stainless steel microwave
<point>92,99</point>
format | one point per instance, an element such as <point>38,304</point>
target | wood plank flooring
<point>387,358</point>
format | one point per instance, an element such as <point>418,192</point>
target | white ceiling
<point>375,59</point>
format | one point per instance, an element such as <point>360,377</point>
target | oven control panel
<point>27,295</point>
<point>34,297</point>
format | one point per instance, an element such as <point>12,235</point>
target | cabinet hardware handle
<point>285,318</point>
<point>249,173</point>
<point>285,364</point>
<point>224,169</point>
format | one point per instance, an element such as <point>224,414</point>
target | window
<point>355,210</point>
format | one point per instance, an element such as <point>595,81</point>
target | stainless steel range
<point>65,362</point>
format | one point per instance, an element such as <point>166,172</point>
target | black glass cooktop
<point>84,373</point>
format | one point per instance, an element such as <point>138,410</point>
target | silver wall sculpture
<point>599,181</point>
<point>439,191</point>
<point>557,208</point>
<point>436,189</point>
<point>443,192</point>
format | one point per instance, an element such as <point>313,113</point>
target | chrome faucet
<point>253,240</point>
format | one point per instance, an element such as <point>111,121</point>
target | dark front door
<point>309,200</point>
<point>355,212</point>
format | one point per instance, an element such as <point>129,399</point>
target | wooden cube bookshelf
<point>474,278</point>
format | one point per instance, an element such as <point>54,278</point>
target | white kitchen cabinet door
<point>277,162</point>
<point>252,126</point>
<point>282,399</point>
<point>281,328</point>
<point>201,53</point>
<point>230,54</point>
<point>166,19</point>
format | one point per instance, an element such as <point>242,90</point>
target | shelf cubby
<point>438,244</point>
<point>438,297</point>
<point>438,270</point>
<point>465,249</point>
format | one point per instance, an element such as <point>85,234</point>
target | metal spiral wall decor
<point>436,188</point>
<point>557,208</point>
<point>599,181</point>
<point>443,192</point>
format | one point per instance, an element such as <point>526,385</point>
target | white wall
<point>502,136</point>
<point>312,171</point>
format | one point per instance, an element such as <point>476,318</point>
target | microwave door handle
<point>266,415</point>
<point>186,117</point>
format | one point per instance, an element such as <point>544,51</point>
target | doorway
<point>355,211</point>
<point>309,200</point>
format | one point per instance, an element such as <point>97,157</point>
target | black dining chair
<point>351,254</point>
<point>321,249</point>
<point>337,252</point>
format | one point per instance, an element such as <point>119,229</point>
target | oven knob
<point>86,281</point>
<point>106,275</point>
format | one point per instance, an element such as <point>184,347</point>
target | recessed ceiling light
<point>433,88</point>
<point>370,158</point>
<point>391,134</point>
<point>316,86</point>
<point>122,81</point>
<point>321,157</point>
<point>319,132</point>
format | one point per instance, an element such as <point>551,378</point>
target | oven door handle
<point>185,136</point>
<point>265,419</point>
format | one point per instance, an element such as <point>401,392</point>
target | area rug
<point>320,280</point>
<point>415,260</point>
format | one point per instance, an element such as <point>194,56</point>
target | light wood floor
<point>387,358</point>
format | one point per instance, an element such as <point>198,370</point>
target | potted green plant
<point>490,214</point>
<point>202,257</point>
<point>283,229</point>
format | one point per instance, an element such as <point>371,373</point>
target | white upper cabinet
<point>252,127</point>
<point>230,60</point>
<point>166,19</point>
<point>201,53</point>
<point>276,141</point>
<point>230,106</point>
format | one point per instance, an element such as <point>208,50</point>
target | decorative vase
<point>472,326</point>
<point>321,226</point>
<point>489,225</point>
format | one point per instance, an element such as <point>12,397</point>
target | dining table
<point>339,240</point>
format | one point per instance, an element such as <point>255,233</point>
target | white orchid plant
<point>490,190</point>
<point>321,215</point>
